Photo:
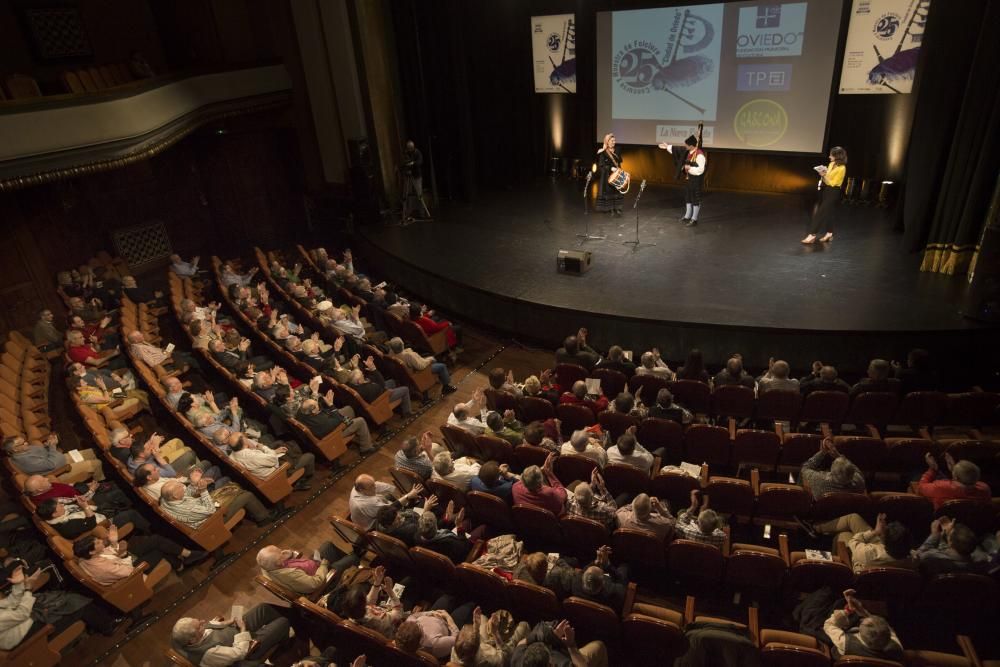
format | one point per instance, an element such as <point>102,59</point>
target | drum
<point>619,180</point>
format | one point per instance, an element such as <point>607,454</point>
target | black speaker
<point>982,301</point>
<point>574,262</point>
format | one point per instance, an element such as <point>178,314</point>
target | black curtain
<point>954,151</point>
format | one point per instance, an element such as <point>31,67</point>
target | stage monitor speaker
<point>573,261</point>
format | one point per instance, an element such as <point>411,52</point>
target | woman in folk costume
<point>691,162</point>
<point>831,178</point>
<point>609,199</point>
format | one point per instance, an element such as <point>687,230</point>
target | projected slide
<point>758,75</point>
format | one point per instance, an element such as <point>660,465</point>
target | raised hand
<point>430,503</point>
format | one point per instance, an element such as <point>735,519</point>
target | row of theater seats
<point>646,631</point>
<point>329,448</point>
<point>97,78</point>
<point>274,488</point>
<point>413,335</point>
<point>24,390</point>
<point>419,382</point>
<point>376,413</point>
<point>872,413</point>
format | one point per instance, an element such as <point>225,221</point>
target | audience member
<point>494,479</point>
<point>629,452</point>
<point>693,368</point>
<point>463,414</point>
<point>541,488</point>
<point>948,548</point>
<point>828,471</point>
<point>650,363</point>
<point>733,374</point>
<point>416,362</point>
<point>109,561</point>
<point>581,443</point>
<point>549,643</point>
<point>878,379</point>
<point>666,408</point>
<point>575,350</point>
<point>648,514</point>
<point>504,382</point>
<point>506,426</point>
<point>701,526</point>
<point>221,641</point>
<point>777,378</point>
<point>192,505</point>
<point>616,361</point>
<point>368,497</point>
<point>44,458</point>
<point>917,375</point>
<point>415,455</point>
<point>458,471</point>
<point>45,335</point>
<point>823,378</point>
<point>886,545</point>
<point>963,484</point>
<point>578,396</point>
<point>305,576</point>
<point>592,501</point>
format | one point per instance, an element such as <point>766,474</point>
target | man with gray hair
<point>948,548</point>
<point>703,526</point>
<point>582,444</point>
<point>601,582</point>
<point>777,378</point>
<point>301,574</point>
<point>415,362</point>
<point>828,471</point>
<point>861,633</point>
<point>963,484</point>
<point>648,514</point>
<point>878,379</point>
<point>458,471</point>
<point>532,488</point>
<point>192,504</point>
<point>368,497</point>
<point>221,641</point>
<point>650,363</point>
<point>733,374</point>
<point>592,501</point>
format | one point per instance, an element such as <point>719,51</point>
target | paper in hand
<point>594,386</point>
<point>237,611</point>
<point>169,349</point>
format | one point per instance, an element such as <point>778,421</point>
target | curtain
<point>954,151</point>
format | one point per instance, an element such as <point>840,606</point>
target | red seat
<point>708,444</point>
<point>922,409</point>
<point>980,452</point>
<point>872,408</point>
<point>532,409</point>
<point>837,504</point>
<point>673,487</point>
<point>350,532</point>
<point>733,401</point>
<point>906,455</point>
<point>460,441</point>
<point>797,448</point>
<point>500,401</point>
<point>693,395</point>
<point>391,551</point>
<point>529,455</point>
<point>974,409</point>
<point>695,562</point>
<point>570,468</point>
<point>864,452</point>
<point>446,491</point>
<point>913,511</point>
<point>754,568</point>
<point>574,417</point>
<point>490,588</point>
<point>567,374</point>
<point>485,508</point>
<point>532,603</point>
<point>652,642</point>
<point>781,502</point>
<point>757,448</point>
<point>432,565</point>
<point>405,479</point>
<point>592,621</point>
<point>496,449</point>
<point>582,536</point>
<point>616,423</point>
<point>806,576</point>
<point>962,598</point>
<point>656,433</point>
<point>612,382</point>
<point>888,583</point>
<point>730,495</point>
<point>825,407</point>
<point>538,527</point>
<point>779,406</point>
<point>976,514</point>
<point>637,548</point>
<point>624,478</point>
<point>650,385</point>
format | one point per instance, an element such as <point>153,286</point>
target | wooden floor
<point>204,594</point>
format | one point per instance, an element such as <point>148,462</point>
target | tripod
<point>635,244</point>
<point>409,190</point>
<point>587,236</point>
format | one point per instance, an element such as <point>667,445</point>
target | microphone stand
<point>635,244</point>
<point>587,236</point>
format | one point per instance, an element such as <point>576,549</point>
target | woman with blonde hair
<point>609,199</point>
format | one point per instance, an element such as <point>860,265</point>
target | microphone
<point>642,186</point>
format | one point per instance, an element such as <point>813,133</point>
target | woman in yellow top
<point>831,178</point>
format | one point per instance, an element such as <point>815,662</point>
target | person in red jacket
<point>423,319</point>
<point>964,482</point>
<point>578,396</point>
<point>531,489</point>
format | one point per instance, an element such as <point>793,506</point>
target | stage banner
<point>553,49</point>
<point>883,42</point>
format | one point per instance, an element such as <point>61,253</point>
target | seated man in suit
<point>221,641</point>
<point>321,422</point>
<point>452,544</point>
<point>823,378</point>
<point>878,379</point>
<point>601,582</point>
<point>666,408</point>
<point>370,385</point>
<point>230,358</point>
<point>576,351</point>
<point>616,361</point>
<point>733,374</point>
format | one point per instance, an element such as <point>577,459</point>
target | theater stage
<point>740,280</point>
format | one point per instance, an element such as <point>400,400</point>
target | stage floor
<point>742,266</point>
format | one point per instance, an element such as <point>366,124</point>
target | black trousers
<point>822,220</point>
<point>692,189</point>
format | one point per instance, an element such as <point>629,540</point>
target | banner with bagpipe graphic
<point>553,51</point>
<point>883,43</point>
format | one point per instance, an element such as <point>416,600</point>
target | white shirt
<point>700,160</point>
<point>593,451</point>
<point>465,470</point>
<point>15,616</point>
<point>259,462</point>
<point>223,656</point>
<point>640,458</point>
<point>364,509</point>
<point>470,424</point>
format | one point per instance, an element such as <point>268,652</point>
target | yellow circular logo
<point>760,123</point>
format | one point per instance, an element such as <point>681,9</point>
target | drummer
<point>609,199</point>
